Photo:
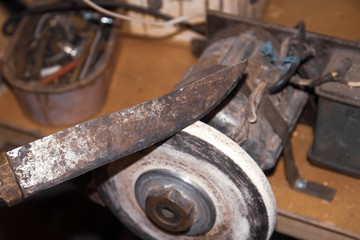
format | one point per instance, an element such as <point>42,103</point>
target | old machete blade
<point>66,154</point>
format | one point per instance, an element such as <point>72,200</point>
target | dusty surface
<point>337,18</point>
<point>343,211</point>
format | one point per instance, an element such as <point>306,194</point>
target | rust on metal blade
<point>88,145</point>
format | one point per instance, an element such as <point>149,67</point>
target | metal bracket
<point>293,177</point>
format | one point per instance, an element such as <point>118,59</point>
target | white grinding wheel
<point>229,194</point>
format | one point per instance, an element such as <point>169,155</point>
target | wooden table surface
<point>336,18</point>
<point>147,68</point>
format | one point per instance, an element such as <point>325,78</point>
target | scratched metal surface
<point>64,155</point>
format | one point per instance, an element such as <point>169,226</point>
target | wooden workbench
<point>147,68</point>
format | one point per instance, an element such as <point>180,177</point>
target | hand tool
<point>64,155</point>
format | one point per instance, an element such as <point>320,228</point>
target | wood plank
<point>338,18</point>
<point>343,212</point>
<point>302,227</point>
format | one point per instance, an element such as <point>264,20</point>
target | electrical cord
<point>333,76</point>
<point>254,101</point>
<point>11,23</point>
<point>128,18</point>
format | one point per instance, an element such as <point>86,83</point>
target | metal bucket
<point>63,105</point>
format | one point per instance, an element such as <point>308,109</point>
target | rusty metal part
<point>227,47</point>
<point>204,159</point>
<point>336,134</point>
<point>158,189</point>
<point>59,73</point>
<point>83,56</point>
<point>64,155</point>
<point>35,62</point>
<point>92,55</point>
<point>291,171</point>
<point>169,210</point>
<point>314,67</point>
<point>233,38</point>
<point>10,192</point>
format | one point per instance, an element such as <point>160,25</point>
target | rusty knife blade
<point>71,152</point>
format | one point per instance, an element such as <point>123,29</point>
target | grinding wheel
<point>198,184</point>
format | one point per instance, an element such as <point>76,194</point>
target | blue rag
<point>268,49</point>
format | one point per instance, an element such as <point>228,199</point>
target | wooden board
<point>338,18</point>
<point>343,212</point>
<point>149,68</point>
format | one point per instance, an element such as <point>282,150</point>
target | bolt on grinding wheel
<point>199,184</point>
